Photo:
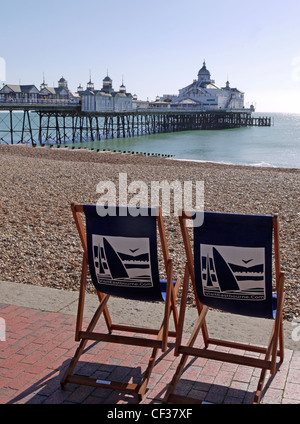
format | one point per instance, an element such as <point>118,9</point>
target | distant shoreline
<point>83,151</point>
<point>259,165</point>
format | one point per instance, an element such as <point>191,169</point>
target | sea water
<point>275,146</point>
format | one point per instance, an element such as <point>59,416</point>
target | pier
<point>65,124</point>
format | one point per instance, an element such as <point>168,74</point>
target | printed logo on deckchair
<point>122,259</point>
<point>233,272</point>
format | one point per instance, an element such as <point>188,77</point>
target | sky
<point>156,47</point>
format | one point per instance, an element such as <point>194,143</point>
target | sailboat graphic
<point>115,265</point>
<point>233,272</point>
<point>225,276</point>
<point>122,261</point>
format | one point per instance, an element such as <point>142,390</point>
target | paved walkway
<point>39,344</point>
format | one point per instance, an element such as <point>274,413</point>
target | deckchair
<point>121,251</point>
<point>230,267</point>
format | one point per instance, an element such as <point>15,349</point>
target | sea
<point>274,146</point>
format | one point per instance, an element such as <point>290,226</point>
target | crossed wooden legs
<point>84,336</point>
<point>268,363</point>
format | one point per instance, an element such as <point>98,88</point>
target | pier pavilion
<point>204,93</point>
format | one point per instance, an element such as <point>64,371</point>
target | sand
<point>39,241</point>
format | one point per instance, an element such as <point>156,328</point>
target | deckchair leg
<point>260,385</point>
<point>281,342</point>
<point>73,363</point>
<point>271,349</point>
<point>161,334</point>
<point>182,309</point>
<point>81,298</point>
<point>278,325</point>
<point>152,360</point>
<point>175,379</point>
<point>83,342</point>
<point>263,373</point>
<point>144,383</point>
<point>105,313</point>
<point>184,358</point>
<point>173,303</point>
<point>281,337</point>
<point>168,305</point>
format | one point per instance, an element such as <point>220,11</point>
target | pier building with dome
<point>204,93</point>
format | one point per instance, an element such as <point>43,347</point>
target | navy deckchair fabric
<point>233,263</point>
<point>122,252</point>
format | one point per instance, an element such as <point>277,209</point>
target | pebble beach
<point>39,240</point>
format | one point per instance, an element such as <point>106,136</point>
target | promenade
<point>40,324</point>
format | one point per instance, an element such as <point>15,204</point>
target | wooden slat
<point>112,338</point>
<point>130,328</point>
<point>225,357</point>
<point>236,345</point>
<point>173,398</point>
<point>142,330</point>
<point>113,385</point>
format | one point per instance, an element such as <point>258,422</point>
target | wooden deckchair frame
<point>271,351</point>
<point>161,341</point>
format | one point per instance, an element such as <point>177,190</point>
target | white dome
<point>204,72</point>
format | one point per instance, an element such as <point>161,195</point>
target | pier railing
<point>39,102</point>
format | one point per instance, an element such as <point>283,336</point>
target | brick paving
<point>38,347</point>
